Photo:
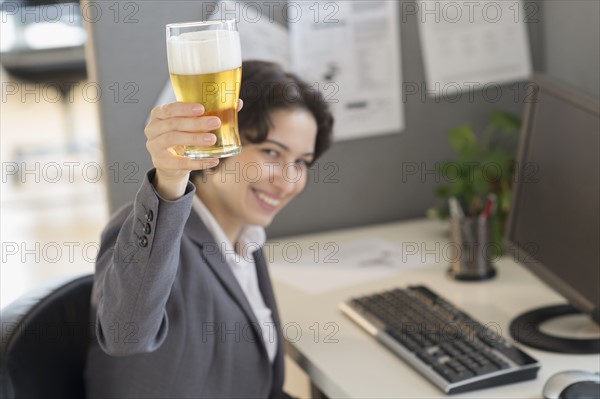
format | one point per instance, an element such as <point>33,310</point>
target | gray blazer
<point>171,320</point>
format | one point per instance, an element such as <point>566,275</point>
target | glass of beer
<point>205,64</point>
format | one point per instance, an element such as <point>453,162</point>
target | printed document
<point>469,45</point>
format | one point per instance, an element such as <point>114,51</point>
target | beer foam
<point>204,52</point>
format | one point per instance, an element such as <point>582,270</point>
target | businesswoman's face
<point>252,187</point>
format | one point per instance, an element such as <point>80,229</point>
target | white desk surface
<point>345,361</point>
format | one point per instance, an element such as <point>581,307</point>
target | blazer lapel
<point>215,259</point>
<point>264,283</point>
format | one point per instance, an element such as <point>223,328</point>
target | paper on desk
<point>328,266</point>
<point>473,45</point>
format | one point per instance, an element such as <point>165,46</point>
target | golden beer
<point>219,93</point>
<point>205,65</point>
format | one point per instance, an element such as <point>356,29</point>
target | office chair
<point>44,340</point>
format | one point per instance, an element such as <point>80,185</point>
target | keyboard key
<point>446,372</point>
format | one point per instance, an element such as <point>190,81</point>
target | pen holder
<point>472,249</point>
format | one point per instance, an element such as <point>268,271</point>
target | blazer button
<point>147,229</point>
<point>143,241</point>
<point>149,215</point>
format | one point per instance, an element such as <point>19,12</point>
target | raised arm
<point>139,252</point>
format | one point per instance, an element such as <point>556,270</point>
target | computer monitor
<point>554,223</point>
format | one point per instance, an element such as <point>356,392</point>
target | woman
<point>182,303</point>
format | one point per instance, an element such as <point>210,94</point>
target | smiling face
<point>252,187</point>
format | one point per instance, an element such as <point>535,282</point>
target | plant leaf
<point>442,191</point>
<point>496,166</point>
<point>505,122</point>
<point>464,142</point>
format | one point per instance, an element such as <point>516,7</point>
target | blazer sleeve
<point>135,270</point>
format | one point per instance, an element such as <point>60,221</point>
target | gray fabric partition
<point>358,182</point>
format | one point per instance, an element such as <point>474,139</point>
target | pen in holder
<point>472,249</point>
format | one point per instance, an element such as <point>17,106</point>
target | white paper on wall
<point>470,45</point>
<point>351,51</point>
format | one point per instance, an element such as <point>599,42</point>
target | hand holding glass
<point>205,64</point>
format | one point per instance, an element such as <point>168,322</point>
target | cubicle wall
<point>571,32</point>
<point>365,181</point>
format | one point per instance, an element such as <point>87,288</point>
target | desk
<point>355,365</point>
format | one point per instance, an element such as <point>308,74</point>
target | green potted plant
<point>483,166</point>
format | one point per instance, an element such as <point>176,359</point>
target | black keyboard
<point>450,348</point>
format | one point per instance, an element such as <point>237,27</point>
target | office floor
<point>53,201</point>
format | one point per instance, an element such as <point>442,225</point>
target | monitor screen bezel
<point>522,255</point>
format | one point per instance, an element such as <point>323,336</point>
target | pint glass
<point>205,65</point>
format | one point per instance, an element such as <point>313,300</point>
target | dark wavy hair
<point>266,88</point>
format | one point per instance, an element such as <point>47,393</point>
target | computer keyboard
<point>450,348</point>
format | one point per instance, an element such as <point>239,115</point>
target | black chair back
<point>44,341</point>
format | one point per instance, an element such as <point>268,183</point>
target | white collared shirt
<point>244,269</point>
